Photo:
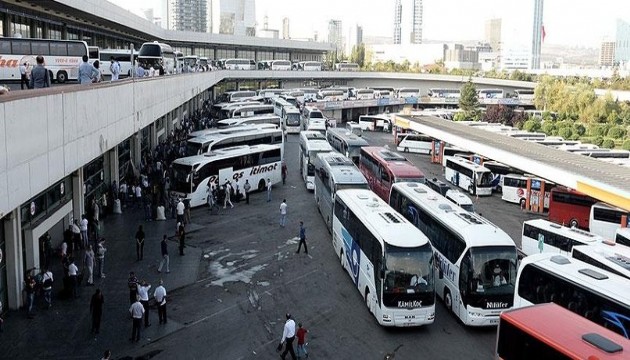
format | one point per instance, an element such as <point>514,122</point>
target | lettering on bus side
<point>260,169</point>
<point>12,63</point>
<point>445,266</point>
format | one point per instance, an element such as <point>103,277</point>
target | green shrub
<point>598,140</point>
<point>532,125</point>
<point>616,132</point>
<point>626,145</point>
<point>579,128</point>
<point>565,132</point>
<point>608,143</point>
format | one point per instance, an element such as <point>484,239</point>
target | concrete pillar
<point>13,258</point>
<point>256,55</point>
<point>136,149</point>
<point>33,28</point>
<point>6,24</point>
<point>236,53</point>
<point>153,141</point>
<point>64,32</point>
<point>168,118</point>
<point>45,30</point>
<point>78,194</point>
<point>112,158</point>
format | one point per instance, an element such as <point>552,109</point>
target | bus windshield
<point>293,119</point>
<point>194,148</point>
<point>494,271</point>
<point>484,179</point>
<point>408,276</point>
<point>152,50</point>
<point>181,178</point>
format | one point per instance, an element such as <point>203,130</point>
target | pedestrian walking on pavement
<point>237,191</point>
<point>47,283</point>
<point>100,257</point>
<point>228,193</point>
<point>165,259</point>
<point>180,211</point>
<point>247,187</point>
<point>96,308</point>
<point>160,299</point>
<point>88,265</point>
<point>73,273</point>
<point>288,336</point>
<point>283,213</point>
<point>76,236</point>
<point>143,292</point>
<point>29,287</point>
<point>137,311</point>
<point>140,243</point>
<point>83,226</point>
<point>181,232</point>
<point>268,190</point>
<point>132,283</point>
<point>301,341</point>
<point>302,236</point>
<point>284,173</point>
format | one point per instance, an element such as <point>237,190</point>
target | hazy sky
<point>567,22</point>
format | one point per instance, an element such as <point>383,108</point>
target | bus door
<point>383,183</point>
<point>226,174</point>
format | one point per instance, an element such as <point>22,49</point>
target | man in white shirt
<point>73,272</point>
<point>283,213</point>
<point>114,67</point>
<point>137,311</point>
<point>143,293</point>
<point>139,196</point>
<point>47,281</point>
<point>160,298</point>
<point>268,190</point>
<point>83,226</point>
<point>288,335</point>
<point>228,193</point>
<point>24,76</point>
<point>180,211</point>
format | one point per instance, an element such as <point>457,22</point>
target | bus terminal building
<point>49,176</point>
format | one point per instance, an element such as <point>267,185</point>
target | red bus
<point>383,167</point>
<point>549,331</point>
<point>570,208</point>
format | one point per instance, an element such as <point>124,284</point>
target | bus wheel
<point>471,191</point>
<point>574,223</point>
<point>341,258</point>
<point>448,300</point>
<point>406,149</point>
<point>261,185</point>
<point>367,299</point>
<point>62,77</point>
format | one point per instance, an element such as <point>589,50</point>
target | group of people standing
<point>139,299</point>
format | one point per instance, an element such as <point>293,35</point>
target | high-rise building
<point>493,34</point>
<point>285,28</point>
<point>233,17</point>
<point>397,22</point>
<point>607,53</point>
<point>334,34</point>
<point>416,34</point>
<point>622,46</point>
<point>522,35</point>
<point>187,15</point>
<point>537,33</point>
<point>415,31</point>
<point>359,35</point>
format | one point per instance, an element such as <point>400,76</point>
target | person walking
<point>137,311</point>
<point>180,211</point>
<point>99,76</point>
<point>288,336</point>
<point>47,283</point>
<point>182,239</point>
<point>301,341</point>
<point>114,68</point>
<point>165,259</point>
<point>283,213</point>
<point>140,243</point>
<point>96,309</point>
<point>40,77</point>
<point>160,299</point>
<point>247,187</point>
<point>143,293</point>
<point>302,236</point>
<point>268,190</point>
<point>73,273</point>
<point>228,193</point>
<point>29,287</point>
<point>284,173</point>
<point>83,226</point>
<point>76,236</point>
<point>24,76</point>
<point>88,264</point>
<point>87,72</point>
<point>132,283</point>
<point>100,257</point>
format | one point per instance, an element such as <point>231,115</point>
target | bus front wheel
<point>261,185</point>
<point>367,300</point>
<point>406,149</point>
<point>62,77</point>
<point>448,300</point>
<point>574,223</point>
<point>341,258</point>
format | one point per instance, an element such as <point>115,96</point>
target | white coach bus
<point>475,260</point>
<point>388,259</point>
<point>311,143</point>
<point>474,178</point>
<point>193,174</point>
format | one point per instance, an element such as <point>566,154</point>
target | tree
<point>358,55</point>
<point>565,132</point>
<point>626,145</point>
<point>616,132</point>
<point>469,100</point>
<point>608,143</point>
<point>498,114</point>
<point>532,125</point>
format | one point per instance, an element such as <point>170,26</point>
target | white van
<point>414,143</point>
<point>461,199</point>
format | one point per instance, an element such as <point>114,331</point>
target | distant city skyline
<point>586,25</point>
